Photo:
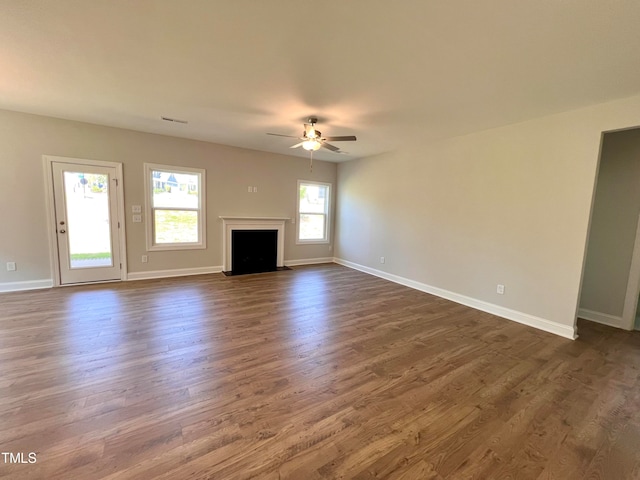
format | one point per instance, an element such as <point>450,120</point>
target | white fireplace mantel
<point>251,223</point>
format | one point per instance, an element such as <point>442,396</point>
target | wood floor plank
<point>321,372</point>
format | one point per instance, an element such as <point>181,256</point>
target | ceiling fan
<point>313,140</point>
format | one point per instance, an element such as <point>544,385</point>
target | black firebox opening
<point>254,251</point>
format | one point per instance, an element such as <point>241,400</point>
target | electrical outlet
<point>137,219</point>
<point>500,289</point>
<point>11,266</point>
<point>145,258</point>
<point>381,259</point>
<point>136,209</point>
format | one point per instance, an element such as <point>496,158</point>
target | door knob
<point>63,231</point>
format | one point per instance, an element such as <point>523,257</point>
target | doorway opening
<point>611,276</point>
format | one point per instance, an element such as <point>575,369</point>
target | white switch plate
<point>500,289</point>
<point>249,189</point>
<point>136,209</point>
<point>381,259</point>
<point>145,259</point>
<point>255,189</point>
<point>137,219</point>
<point>11,266</point>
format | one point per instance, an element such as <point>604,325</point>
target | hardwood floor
<point>320,372</point>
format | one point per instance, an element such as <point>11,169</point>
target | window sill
<point>174,247</point>
<point>312,242</point>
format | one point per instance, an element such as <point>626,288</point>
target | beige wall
<point>25,138</point>
<point>613,224</point>
<point>509,205</point>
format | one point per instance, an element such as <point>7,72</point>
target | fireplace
<point>254,251</point>
<point>255,241</point>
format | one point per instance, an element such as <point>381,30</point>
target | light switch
<point>136,209</point>
<point>137,219</point>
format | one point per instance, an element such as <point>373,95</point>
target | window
<point>313,212</point>
<point>175,207</point>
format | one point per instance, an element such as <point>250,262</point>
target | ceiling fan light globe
<point>311,145</point>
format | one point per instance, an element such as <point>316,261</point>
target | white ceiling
<point>388,72</point>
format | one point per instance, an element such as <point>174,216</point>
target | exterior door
<point>86,215</point>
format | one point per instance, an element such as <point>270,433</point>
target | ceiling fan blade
<point>280,135</point>
<point>328,146</point>
<point>346,138</point>
<point>296,145</point>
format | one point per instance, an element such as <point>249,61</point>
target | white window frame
<point>149,168</point>
<point>327,214</point>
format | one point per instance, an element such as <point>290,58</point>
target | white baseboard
<point>598,317</point>
<point>183,272</point>
<point>520,317</point>
<point>308,261</point>
<point>28,285</point>
<point>177,272</point>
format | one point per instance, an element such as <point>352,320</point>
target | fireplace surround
<point>231,224</point>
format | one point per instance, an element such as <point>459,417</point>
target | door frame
<point>48,161</point>
<point>633,286</point>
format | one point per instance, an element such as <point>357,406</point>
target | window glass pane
<point>313,198</point>
<point>176,226</point>
<point>174,190</point>
<point>311,227</point>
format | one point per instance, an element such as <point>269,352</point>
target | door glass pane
<point>174,190</point>
<point>311,227</point>
<point>87,223</point>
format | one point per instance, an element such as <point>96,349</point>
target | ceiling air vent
<point>175,120</point>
